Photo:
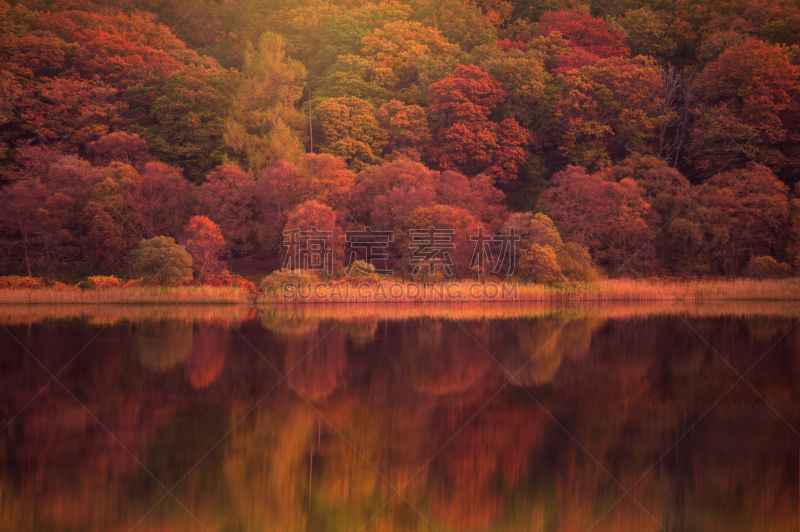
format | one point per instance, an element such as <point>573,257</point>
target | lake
<point>493,417</point>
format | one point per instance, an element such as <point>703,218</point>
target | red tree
<point>204,242</point>
<point>610,219</point>
<point>585,31</point>
<point>229,198</point>
<point>467,140</point>
<point>164,199</point>
<point>304,219</point>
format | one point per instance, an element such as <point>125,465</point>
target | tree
<point>350,75</point>
<point>66,113</point>
<point>160,260</point>
<point>442,217</point>
<point>461,22</point>
<point>347,128</point>
<point>748,106</point>
<point>263,122</point>
<point>476,194</point>
<point>467,140</point>
<point>384,196</point>
<point>121,147</point>
<point>584,31</point>
<point>343,36</point>
<point>539,264</point>
<point>610,219</point>
<point>406,128</point>
<point>204,242</point>
<point>647,32</point>
<point>186,121</point>
<point>743,214</point>
<point>229,198</point>
<point>609,109</point>
<point>31,229</point>
<point>303,220</point>
<point>524,79</point>
<point>164,199</point>
<point>407,56</point>
<point>326,179</point>
<point>670,194</point>
<point>538,235</point>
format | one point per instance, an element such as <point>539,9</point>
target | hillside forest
<point>617,137</point>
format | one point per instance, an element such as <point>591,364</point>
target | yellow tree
<point>263,122</point>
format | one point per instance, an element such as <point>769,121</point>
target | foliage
<point>263,122</point>
<point>539,264</point>
<point>347,127</point>
<point>160,260</point>
<point>105,281</point>
<point>608,109</point>
<point>470,143</point>
<point>766,267</point>
<point>204,242</point>
<point>275,281</point>
<point>611,219</point>
<point>681,119</point>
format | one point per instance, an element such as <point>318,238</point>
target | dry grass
<point>181,295</point>
<point>399,292</point>
<point>609,290</point>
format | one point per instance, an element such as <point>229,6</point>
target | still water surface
<point>379,418</point>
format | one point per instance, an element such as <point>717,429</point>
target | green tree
<point>187,119</point>
<point>161,260</point>
<point>263,121</point>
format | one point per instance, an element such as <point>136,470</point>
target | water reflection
<point>311,418</point>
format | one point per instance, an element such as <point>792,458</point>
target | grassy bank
<point>610,290</point>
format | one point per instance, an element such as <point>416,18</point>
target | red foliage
<point>467,140</point>
<point>228,197</point>
<point>125,148</point>
<point>507,45</point>
<point>105,281</point>
<point>204,242</point>
<point>164,199</point>
<point>610,219</point>
<point>312,214</point>
<point>585,31</point>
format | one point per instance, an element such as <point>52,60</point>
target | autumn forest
<point>618,138</point>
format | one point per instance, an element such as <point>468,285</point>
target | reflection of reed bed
<point>111,314</point>
<point>295,318</point>
<point>401,292</point>
<point>526,309</point>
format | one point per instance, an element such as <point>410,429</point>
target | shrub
<point>226,279</point>
<point>766,267</point>
<point>539,264</point>
<point>105,281</point>
<point>15,281</point>
<point>576,263</point>
<point>275,281</point>
<point>61,287</point>
<point>161,260</point>
<point>134,283</point>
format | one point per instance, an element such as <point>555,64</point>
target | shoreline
<point>390,292</point>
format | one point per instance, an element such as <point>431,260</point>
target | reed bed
<point>608,290</point>
<point>401,292</point>
<point>179,295</point>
